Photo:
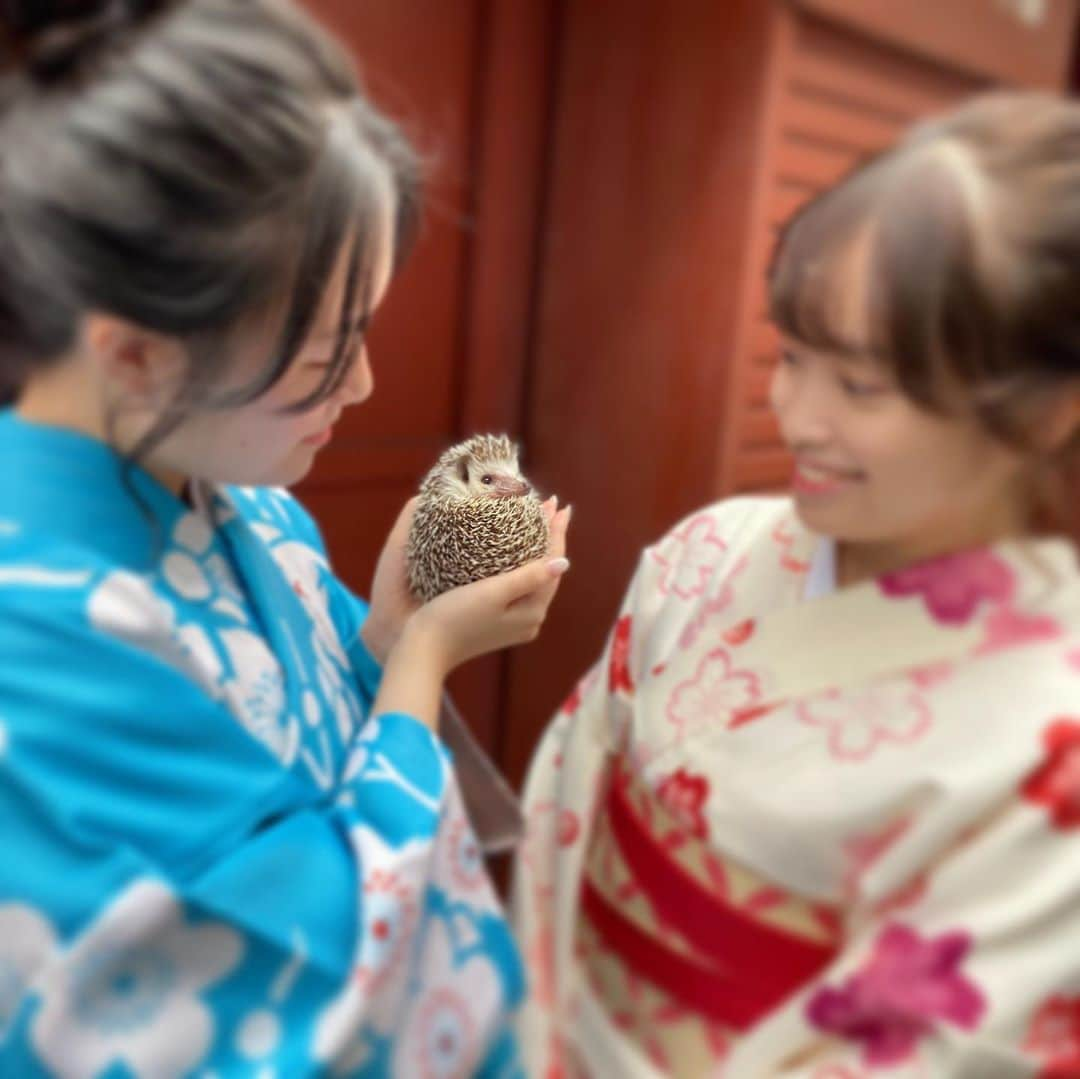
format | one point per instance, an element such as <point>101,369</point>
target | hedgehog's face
<point>472,477</point>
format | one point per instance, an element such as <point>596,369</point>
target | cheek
<point>779,387</point>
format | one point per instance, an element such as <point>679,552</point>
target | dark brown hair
<point>187,166</point>
<point>972,271</point>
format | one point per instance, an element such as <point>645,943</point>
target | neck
<point>52,400</point>
<point>857,562</point>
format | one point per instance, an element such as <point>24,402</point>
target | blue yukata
<point>216,862</point>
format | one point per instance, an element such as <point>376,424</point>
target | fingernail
<point>558,566</point>
<point>569,512</point>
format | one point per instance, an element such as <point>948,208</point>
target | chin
<point>290,473</point>
<point>820,519</point>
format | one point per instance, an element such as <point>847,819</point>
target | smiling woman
<point>809,816</point>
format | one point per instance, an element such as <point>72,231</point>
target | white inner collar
<point>821,577</point>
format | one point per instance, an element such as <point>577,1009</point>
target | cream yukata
<point>789,830</point>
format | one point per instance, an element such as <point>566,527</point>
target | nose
<point>799,401</point>
<point>511,487</point>
<point>359,382</point>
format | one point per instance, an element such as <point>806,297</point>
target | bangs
<point>342,212</point>
<point>884,267</point>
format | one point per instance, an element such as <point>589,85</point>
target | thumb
<point>401,526</point>
<point>527,579</point>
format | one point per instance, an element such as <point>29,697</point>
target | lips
<point>319,439</point>
<point>815,479</point>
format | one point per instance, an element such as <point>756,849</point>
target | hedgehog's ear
<point>463,469</point>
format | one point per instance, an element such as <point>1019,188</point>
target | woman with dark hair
<point>234,842</point>
<point>816,812</point>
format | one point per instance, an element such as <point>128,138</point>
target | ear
<point>145,367</point>
<point>1060,423</point>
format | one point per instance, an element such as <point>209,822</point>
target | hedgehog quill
<point>477,516</point>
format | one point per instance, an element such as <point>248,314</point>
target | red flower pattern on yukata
<point>684,796</point>
<point>955,586</point>
<point>1054,1038</point>
<point>619,664</point>
<point>908,986</point>
<point>1056,782</point>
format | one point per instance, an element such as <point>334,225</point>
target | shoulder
<point>733,523</point>
<point>276,515</point>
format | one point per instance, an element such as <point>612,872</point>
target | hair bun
<point>49,38</point>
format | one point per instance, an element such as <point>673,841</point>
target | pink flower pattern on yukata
<point>1006,627</point>
<point>689,558</point>
<point>785,540</point>
<point>1054,1038</point>
<point>861,721</point>
<point>909,985</point>
<point>1056,782</point>
<point>714,605</point>
<point>684,796</point>
<point>953,587</point>
<point>713,694</point>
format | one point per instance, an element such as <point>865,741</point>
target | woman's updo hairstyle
<point>191,166</point>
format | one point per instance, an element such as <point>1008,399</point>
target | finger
<point>550,507</point>
<point>507,588</point>
<point>404,520</point>
<point>557,533</point>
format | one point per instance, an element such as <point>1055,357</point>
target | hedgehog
<point>476,516</point>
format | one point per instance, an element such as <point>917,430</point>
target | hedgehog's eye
<point>486,480</point>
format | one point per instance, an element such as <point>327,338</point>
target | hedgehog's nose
<point>510,487</point>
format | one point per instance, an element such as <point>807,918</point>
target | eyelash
<point>849,386</point>
<point>858,389</point>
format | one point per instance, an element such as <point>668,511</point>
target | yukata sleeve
<point>971,970</point>
<point>347,610</point>
<point>174,899</point>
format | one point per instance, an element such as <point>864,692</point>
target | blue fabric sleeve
<point>116,769</point>
<point>346,609</point>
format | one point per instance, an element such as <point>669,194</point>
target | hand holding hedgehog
<point>491,563</point>
<point>476,517</point>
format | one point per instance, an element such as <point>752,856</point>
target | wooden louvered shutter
<point>840,93</point>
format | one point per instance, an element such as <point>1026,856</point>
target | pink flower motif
<point>619,664</point>
<point>908,985</point>
<point>932,674</point>
<point>713,694</point>
<point>689,558</point>
<point>1054,1038</point>
<point>953,587</point>
<point>684,795</point>
<point>569,828</point>
<point>785,540</point>
<point>1006,627</point>
<point>859,722</point>
<point>712,606</point>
